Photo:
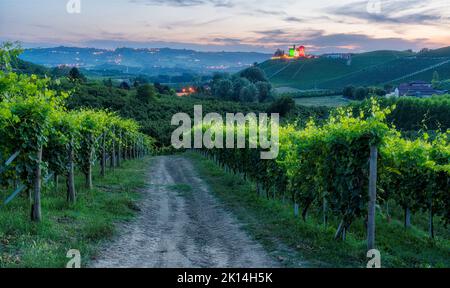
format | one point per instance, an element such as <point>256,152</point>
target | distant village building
<point>418,89</point>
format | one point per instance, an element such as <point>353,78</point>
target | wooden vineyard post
<point>70,176</point>
<point>430,220</point>
<point>36,207</point>
<point>125,156</point>
<point>88,174</point>
<point>407,217</point>
<point>113,152</point>
<point>103,161</point>
<point>372,197</point>
<point>56,181</point>
<point>119,150</point>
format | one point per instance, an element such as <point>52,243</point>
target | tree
<point>388,88</point>
<point>108,83</point>
<point>9,52</point>
<point>162,89</point>
<point>264,91</point>
<point>254,74</point>
<point>282,106</point>
<point>124,85</point>
<point>238,84</point>
<point>376,91</point>
<point>360,93</point>
<point>145,93</point>
<point>224,89</point>
<point>249,93</point>
<point>348,91</point>
<point>76,75</point>
<point>279,53</point>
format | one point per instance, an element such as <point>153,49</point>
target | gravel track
<point>181,227</point>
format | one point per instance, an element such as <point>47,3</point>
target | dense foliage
<point>39,136</point>
<point>327,165</point>
<point>361,93</point>
<point>413,114</point>
<point>154,111</point>
<point>251,85</point>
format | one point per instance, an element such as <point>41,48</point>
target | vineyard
<point>343,168</point>
<point>347,168</point>
<point>42,140</point>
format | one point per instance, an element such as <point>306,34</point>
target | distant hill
<point>144,61</point>
<point>371,68</point>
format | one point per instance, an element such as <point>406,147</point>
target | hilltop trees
<point>224,89</point>
<point>249,93</point>
<point>264,91</point>
<point>254,74</point>
<point>279,53</point>
<point>251,85</point>
<point>238,84</point>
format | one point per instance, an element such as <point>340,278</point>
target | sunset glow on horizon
<point>230,25</point>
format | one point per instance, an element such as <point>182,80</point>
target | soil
<point>181,225</point>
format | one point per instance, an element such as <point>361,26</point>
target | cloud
<point>417,12</point>
<point>227,40</point>
<point>185,3</point>
<point>269,12</point>
<point>319,42</point>
<point>188,23</point>
<point>271,32</point>
<point>294,19</point>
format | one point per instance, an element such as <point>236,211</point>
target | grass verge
<point>310,244</point>
<point>63,227</point>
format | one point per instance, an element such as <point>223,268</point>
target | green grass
<point>311,243</point>
<point>63,227</point>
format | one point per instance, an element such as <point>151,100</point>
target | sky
<point>229,25</point>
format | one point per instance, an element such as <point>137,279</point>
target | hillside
<point>143,61</point>
<point>371,68</point>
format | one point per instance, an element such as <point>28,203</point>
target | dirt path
<point>181,227</point>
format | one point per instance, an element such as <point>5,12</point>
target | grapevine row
<point>44,138</point>
<point>327,166</point>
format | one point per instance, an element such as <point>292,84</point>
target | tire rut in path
<point>181,229</point>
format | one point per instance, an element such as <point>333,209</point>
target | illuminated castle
<point>297,52</point>
<point>294,53</point>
